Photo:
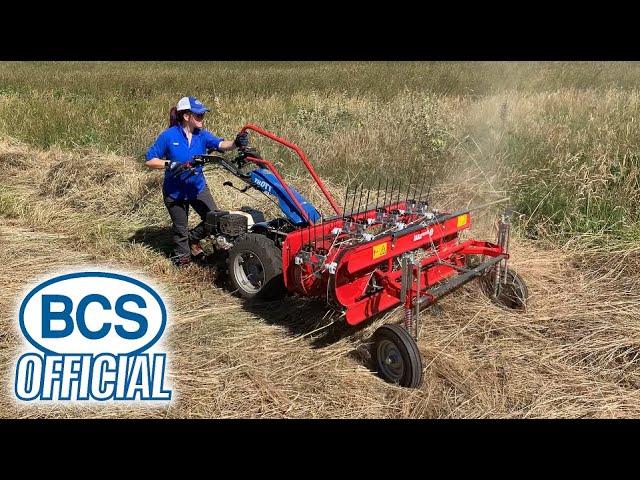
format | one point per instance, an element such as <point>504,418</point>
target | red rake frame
<point>369,276</point>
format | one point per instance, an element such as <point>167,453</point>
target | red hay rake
<point>395,250</point>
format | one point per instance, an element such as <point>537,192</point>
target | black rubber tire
<point>514,294</point>
<point>270,258</point>
<point>396,340</point>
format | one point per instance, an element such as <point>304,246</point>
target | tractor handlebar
<point>204,159</point>
<point>240,160</point>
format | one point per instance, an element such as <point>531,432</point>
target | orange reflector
<point>380,250</point>
<point>463,219</point>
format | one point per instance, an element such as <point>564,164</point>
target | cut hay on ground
<point>573,353</point>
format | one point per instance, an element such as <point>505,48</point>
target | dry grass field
<point>559,139</point>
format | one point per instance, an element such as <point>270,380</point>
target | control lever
<point>230,184</point>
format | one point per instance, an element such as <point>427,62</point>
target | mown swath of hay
<point>573,353</point>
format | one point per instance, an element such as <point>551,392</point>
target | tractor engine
<point>226,226</point>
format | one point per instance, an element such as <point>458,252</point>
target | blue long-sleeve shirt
<point>172,145</point>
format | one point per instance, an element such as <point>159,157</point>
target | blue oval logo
<point>93,313</point>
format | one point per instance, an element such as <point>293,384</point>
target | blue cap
<point>191,103</point>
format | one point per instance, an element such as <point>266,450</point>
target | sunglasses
<point>198,116</point>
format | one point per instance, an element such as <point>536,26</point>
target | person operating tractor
<point>184,183</point>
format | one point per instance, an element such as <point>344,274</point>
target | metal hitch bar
<point>458,281</point>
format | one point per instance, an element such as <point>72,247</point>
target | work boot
<point>181,261</point>
<point>196,250</point>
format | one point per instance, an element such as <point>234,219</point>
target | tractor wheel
<point>396,356</point>
<point>513,294</point>
<point>255,268</point>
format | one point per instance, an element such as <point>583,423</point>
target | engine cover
<point>233,224</point>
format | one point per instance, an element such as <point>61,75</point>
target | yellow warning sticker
<point>380,250</point>
<point>463,219</point>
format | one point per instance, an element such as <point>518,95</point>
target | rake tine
<point>353,202</point>
<point>387,203</point>
<point>378,193</point>
<point>406,198</point>
<point>415,194</point>
<point>386,186</point>
<point>360,200</point>
<point>424,179</point>
<point>398,201</point>
<point>415,190</point>
<point>346,193</point>
<point>393,182</point>
<point>366,203</point>
<point>429,191</point>
<point>395,195</point>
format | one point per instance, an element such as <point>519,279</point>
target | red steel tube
<point>302,156</point>
<point>272,169</point>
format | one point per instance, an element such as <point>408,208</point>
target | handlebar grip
<point>204,159</point>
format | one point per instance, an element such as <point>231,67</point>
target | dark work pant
<point>179,212</point>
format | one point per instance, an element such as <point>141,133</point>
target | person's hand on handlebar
<point>242,140</point>
<point>176,168</point>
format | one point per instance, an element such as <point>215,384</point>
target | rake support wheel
<point>511,294</point>
<point>396,356</point>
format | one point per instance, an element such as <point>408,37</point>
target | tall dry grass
<point>560,138</point>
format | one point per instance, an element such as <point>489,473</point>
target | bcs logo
<point>91,330</point>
